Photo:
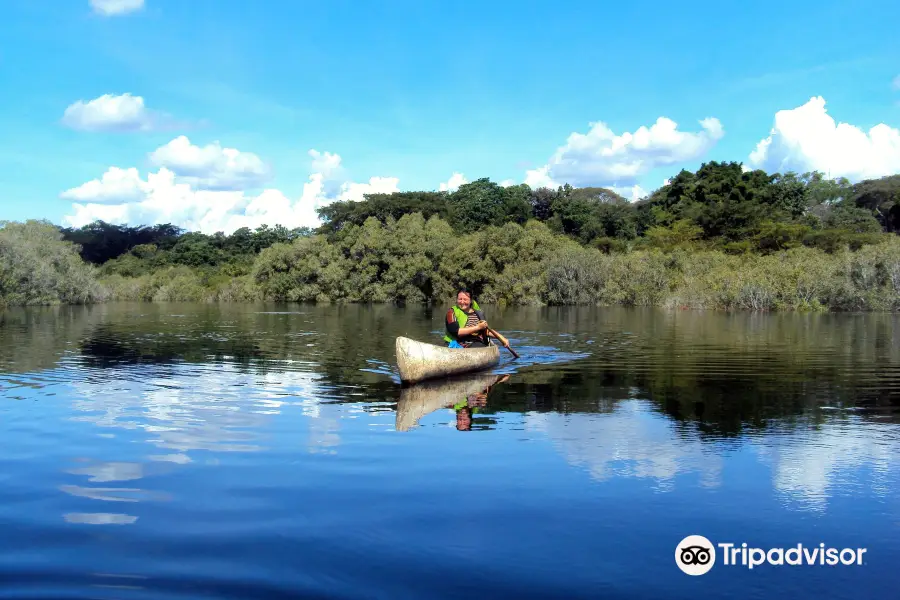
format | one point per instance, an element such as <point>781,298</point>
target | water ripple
<point>190,451</point>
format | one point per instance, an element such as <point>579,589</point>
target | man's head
<point>464,298</point>
<point>464,419</point>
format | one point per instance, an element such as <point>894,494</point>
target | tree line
<point>512,244</point>
<point>718,206</point>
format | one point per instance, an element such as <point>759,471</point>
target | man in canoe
<point>466,325</point>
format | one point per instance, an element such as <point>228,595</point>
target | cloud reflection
<point>111,471</point>
<point>182,408</point>
<point>99,518</point>
<point>189,407</point>
<point>631,441</point>
<point>809,466</point>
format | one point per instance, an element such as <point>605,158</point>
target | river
<point>249,451</point>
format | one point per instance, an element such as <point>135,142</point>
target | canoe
<point>419,361</point>
<point>419,400</point>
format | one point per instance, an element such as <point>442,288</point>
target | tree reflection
<point>652,394</point>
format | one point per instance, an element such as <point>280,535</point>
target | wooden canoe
<point>419,361</point>
<point>419,400</point>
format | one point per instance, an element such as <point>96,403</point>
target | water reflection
<point>111,471</point>
<point>466,395</point>
<point>183,407</point>
<point>807,467</point>
<point>99,518</point>
<point>182,394</point>
<point>257,439</point>
<point>810,466</point>
<point>632,440</point>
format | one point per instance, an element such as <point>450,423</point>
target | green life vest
<point>461,318</point>
<point>461,405</point>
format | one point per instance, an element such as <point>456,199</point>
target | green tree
<point>483,203</point>
<point>38,266</point>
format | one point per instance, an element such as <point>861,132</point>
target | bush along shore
<point>719,238</point>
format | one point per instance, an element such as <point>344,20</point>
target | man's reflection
<point>472,404</point>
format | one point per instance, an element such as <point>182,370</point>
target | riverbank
<point>799,279</point>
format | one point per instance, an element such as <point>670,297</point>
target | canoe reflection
<point>465,395</point>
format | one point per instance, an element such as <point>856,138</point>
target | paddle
<point>503,339</point>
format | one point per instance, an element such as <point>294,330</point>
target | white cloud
<point>121,196</point>
<point>116,185</point>
<point>158,199</point>
<point>376,185</point>
<point>602,158</point>
<point>452,184</point>
<point>211,167</point>
<point>326,163</point>
<point>540,177</point>
<point>807,138</point>
<point>537,178</point>
<point>111,112</point>
<point>508,183</point>
<point>633,193</point>
<point>116,7</point>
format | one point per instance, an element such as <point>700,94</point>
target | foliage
<point>530,264</point>
<point>721,205</point>
<point>38,267</point>
<point>721,237</point>
<point>339,214</point>
<point>166,244</point>
<point>100,241</point>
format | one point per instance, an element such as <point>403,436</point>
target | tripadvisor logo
<point>696,555</point>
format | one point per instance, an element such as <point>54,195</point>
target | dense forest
<point>720,237</point>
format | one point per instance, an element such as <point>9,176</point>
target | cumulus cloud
<point>111,112</point>
<point>633,193</point>
<point>211,167</point>
<point>121,196</point>
<point>116,185</point>
<point>807,138</point>
<point>158,199</point>
<point>109,8</point>
<point>329,166</point>
<point>452,184</point>
<point>376,185</point>
<point>602,158</point>
<point>326,163</point>
<point>540,177</point>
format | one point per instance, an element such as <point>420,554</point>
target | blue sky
<point>418,91</point>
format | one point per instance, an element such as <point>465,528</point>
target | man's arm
<point>452,325</point>
<point>499,336</point>
<point>495,335</point>
<point>455,330</point>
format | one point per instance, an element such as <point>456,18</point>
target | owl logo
<point>695,555</point>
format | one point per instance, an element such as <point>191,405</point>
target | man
<point>473,404</point>
<point>466,325</point>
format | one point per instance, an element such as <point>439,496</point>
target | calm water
<point>192,451</point>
